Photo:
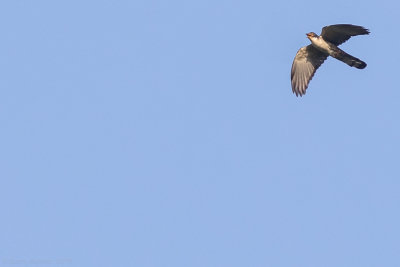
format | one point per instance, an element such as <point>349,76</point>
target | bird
<point>310,57</point>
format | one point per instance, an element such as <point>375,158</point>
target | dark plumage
<point>309,58</point>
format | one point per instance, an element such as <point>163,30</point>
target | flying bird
<point>310,57</point>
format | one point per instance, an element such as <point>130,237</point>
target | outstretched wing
<point>339,33</point>
<point>306,62</point>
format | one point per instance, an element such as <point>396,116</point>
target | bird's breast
<point>322,45</point>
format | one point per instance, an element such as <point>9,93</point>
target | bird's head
<point>311,35</point>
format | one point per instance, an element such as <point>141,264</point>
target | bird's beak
<point>308,34</point>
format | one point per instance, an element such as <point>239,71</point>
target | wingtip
<point>298,93</point>
<point>366,31</point>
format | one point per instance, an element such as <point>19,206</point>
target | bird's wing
<point>340,33</point>
<point>306,62</point>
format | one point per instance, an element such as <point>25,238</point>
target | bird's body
<point>310,57</point>
<point>322,45</point>
<point>334,51</point>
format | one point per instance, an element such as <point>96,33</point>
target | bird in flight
<point>310,57</point>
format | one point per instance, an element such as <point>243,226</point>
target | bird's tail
<point>350,60</point>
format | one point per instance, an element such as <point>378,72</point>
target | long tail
<point>350,60</point>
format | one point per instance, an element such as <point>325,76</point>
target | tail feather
<point>350,60</point>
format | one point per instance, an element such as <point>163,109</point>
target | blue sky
<point>165,133</point>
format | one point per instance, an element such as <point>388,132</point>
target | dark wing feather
<point>306,62</point>
<point>340,33</point>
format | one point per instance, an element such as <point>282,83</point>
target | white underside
<point>320,44</point>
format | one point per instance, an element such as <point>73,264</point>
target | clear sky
<point>165,133</point>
